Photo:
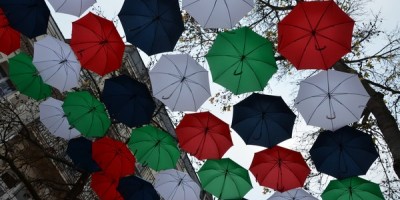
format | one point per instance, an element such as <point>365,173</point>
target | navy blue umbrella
<point>128,101</point>
<point>80,151</point>
<point>343,153</point>
<point>152,25</point>
<point>135,188</point>
<point>29,17</point>
<point>263,120</point>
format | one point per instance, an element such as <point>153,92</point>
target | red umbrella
<point>97,44</point>
<point>315,35</point>
<point>105,186</point>
<point>204,135</point>
<point>9,38</point>
<point>113,157</point>
<point>279,168</point>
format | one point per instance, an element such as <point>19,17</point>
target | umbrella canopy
<point>97,44</point>
<point>152,25</point>
<point>293,194</point>
<point>331,99</point>
<point>135,188</point>
<point>263,120</point>
<point>176,185</point>
<point>9,38</point>
<point>343,153</point>
<point>26,78</point>
<point>54,119</point>
<point>315,35</point>
<point>354,188</point>
<point>105,186</point>
<point>241,61</point>
<point>80,151</point>
<point>217,13</point>
<point>204,135</point>
<point>154,147</point>
<point>29,17</point>
<point>180,82</point>
<point>128,101</point>
<point>225,179</point>
<point>76,7</point>
<point>56,63</point>
<point>113,157</point>
<point>87,114</point>
<point>279,168</point>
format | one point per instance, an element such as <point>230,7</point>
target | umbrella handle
<point>163,97</point>
<point>237,73</point>
<point>333,117</point>
<point>320,48</point>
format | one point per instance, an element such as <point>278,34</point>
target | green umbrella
<point>353,188</point>
<point>154,147</point>
<point>225,179</point>
<point>241,61</point>
<point>87,114</point>
<point>26,78</point>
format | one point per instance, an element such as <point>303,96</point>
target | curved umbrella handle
<point>333,117</point>
<point>237,73</point>
<point>320,48</point>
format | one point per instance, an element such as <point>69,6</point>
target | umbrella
<point>263,120</point>
<point>154,147</point>
<point>113,157</point>
<point>293,194</point>
<point>135,188</point>
<point>87,114</point>
<point>180,82</point>
<point>343,153</point>
<point>241,61</point>
<point>217,13</point>
<point>97,44</point>
<point>354,188</point>
<point>105,186</point>
<point>176,185</point>
<point>204,135</point>
<point>152,25</point>
<point>26,78</point>
<point>76,7</point>
<point>224,179</point>
<point>9,38</point>
<point>315,35</point>
<point>128,101</point>
<point>54,119</point>
<point>56,63</point>
<point>279,168</point>
<point>331,99</point>
<point>80,151</point>
<point>29,17</point>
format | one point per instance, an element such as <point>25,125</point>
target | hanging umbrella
<point>9,38</point>
<point>87,114</point>
<point>26,78</point>
<point>29,17</point>
<point>315,35</point>
<point>54,119</point>
<point>180,82</point>
<point>97,44</point>
<point>152,25</point>
<point>293,194</point>
<point>354,188</point>
<point>135,188</point>
<point>217,13</point>
<point>175,185</point>
<point>56,63</point>
<point>241,61</point>
<point>76,7</point>
<point>263,120</point>
<point>331,99</point>
<point>204,135</point>
<point>279,168</point>
<point>105,186</point>
<point>128,101</point>
<point>154,147</point>
<point>113,157</point>
<point>343,153</point>
<point>80,151</point>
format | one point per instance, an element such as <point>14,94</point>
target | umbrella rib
<point>304,50</point>
<point>176,67</point>
<point>229,14</point>
<point>334,41</point>
<point>323,14</point>
<point>312,114</point>
<point>345,107</point>
<point>167,86</point>
<point>237,50</point>
<point>226,70</point>
<point>337,86</point>
<point>100,37</point>
<point>310,97</point>
<point>255,74</point>
<point>211,12</point>
<point>55,52</point>
<point>191,81</point>
<point>317,86</point>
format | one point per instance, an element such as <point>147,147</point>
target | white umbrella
<point>175,185</point>
<point>72,7</point>
<point>180,82</point>
<point>56,63</point>
<point>331,99</point>
<point>217,13</point>
<point>293,194</point>
<point>53,117</point>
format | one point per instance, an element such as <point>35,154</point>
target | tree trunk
<point>78,187</point>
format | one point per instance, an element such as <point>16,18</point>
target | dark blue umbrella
<point>128,101</point>
<point>80,151</point>
<point>263,120</point>
<point>152,25</point>
<point>135,188</point>
<point>343,153</point>
<point>29,17</point>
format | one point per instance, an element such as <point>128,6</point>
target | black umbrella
<point>135,188</point>
<point>80,151</point>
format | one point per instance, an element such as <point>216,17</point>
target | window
<point>6,87</point>
<point>9,180</point>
